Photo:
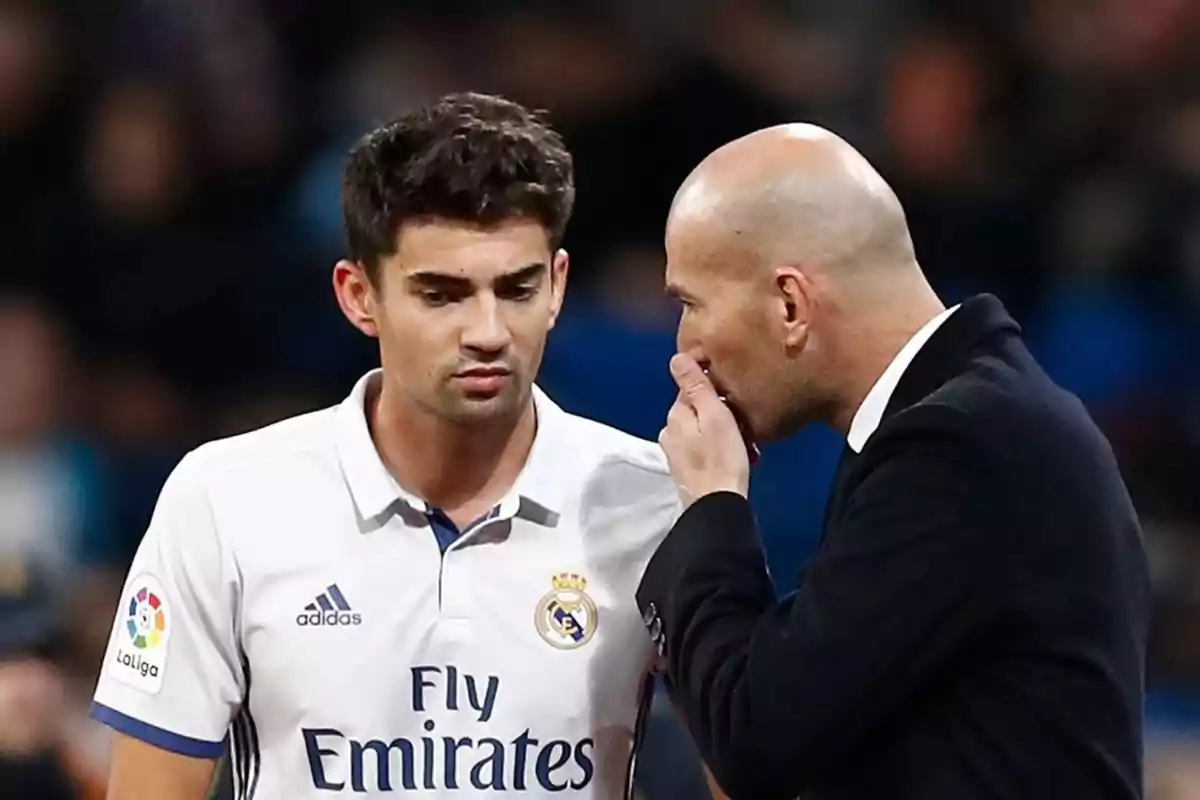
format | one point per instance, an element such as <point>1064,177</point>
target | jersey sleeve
<point>172,675</point>
<point>659,507</point>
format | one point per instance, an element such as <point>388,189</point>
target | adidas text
<point>329,618</point>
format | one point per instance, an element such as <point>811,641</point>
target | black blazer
<point>973,624</point>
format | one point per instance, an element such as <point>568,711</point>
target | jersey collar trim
<point>541,482</point>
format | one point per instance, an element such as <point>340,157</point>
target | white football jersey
<point>291,596</point>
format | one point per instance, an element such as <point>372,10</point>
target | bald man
<point>974,622</point>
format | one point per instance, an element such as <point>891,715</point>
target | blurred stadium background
<point>169,194</point>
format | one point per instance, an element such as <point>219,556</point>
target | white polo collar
<point>542,481</point>
<point>870,413</point>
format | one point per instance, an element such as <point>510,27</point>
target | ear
<point>795,293</point>
<point>559,268</point>
<point>356,296</point>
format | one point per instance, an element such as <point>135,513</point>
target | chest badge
<point>566,617</point>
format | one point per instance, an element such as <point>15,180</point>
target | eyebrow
<point>428,278</point>
<point>529,272</point>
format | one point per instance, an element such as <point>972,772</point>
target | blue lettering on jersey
<point>429,762</point>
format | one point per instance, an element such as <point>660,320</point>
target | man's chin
<point>483,407</point>
<point>785,428</point>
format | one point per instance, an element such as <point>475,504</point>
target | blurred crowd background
<point>169,217</point>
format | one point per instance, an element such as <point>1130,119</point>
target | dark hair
<point>467,157</point>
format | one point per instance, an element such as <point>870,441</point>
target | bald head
<point>796,275</point>
<point>796,194</point>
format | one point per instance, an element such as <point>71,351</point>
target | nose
<point>487,330</point>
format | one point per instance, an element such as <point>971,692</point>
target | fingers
<point>694,386</point>
<point>681,421</point>
<point>697,394</point>
<point>679,418</point>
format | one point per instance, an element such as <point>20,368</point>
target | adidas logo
<point>330,608</point>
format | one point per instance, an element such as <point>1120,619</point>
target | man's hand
<point>703,444</point>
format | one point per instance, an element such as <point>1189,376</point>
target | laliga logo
<point>147,619</point>
<point>146,625</point>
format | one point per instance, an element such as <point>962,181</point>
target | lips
<point>484,372</point>
<point>483,381</point>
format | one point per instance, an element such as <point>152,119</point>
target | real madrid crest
<point>566,616</point>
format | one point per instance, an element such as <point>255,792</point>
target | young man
<point>429,588</point>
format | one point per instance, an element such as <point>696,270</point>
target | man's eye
<point>519,293</point>
<point>435,297</point>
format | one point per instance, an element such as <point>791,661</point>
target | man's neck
<point>452,467</point>
<point>873,351</point>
